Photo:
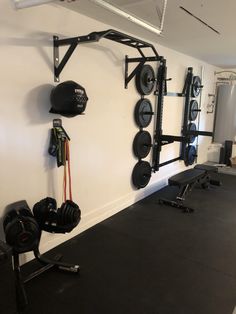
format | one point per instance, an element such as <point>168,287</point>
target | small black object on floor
<point>149,259</point>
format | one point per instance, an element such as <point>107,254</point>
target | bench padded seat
<point>186,177</point>
<point>206,168</point>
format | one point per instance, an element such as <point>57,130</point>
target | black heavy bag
<point>68,99</point>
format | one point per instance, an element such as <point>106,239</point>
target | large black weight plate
<point>196,86</point>
<point>193,112</point>
<point>142,144</point>
<point>143,113</point>
<point>190,155</point>
<point>145,80</point>
<point>192,127</point>
<point>141,174</point>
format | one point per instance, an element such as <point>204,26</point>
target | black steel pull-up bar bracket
<point>141,61</point>
<point>95,37</point>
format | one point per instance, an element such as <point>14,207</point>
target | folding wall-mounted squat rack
<point>159,138</point>
<point>110,34</point>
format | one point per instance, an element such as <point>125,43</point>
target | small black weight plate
<point>145,80</point>
<point>143,113</point>
<point>142,144</point>
<point>141,174</point>
<point>192,127</point>
<point>196,86</point>
<point>190,155</point>
<point>193,112</point>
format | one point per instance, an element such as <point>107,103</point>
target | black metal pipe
<point>200,133</point>
<point>108,33</point>
<point>149,59</point>
<point>173,138</point>
<point>169,161</point>
<point>173,94</point>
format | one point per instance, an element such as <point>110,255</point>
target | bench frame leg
<point>180,198</point>
<point>176,204</point>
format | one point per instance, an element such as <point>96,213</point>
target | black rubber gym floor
<point>149,259</point>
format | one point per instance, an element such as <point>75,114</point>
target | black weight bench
<point>186,180</point>
<point>207,180</point>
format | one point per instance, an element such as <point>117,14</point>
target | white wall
<point>101,145</point>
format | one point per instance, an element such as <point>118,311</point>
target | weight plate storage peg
<point>192,127</point>
<point>141,174</point>
<point>145,80</point>
<point>190,155</point>
<point>193,110</point>
<point>143,113</point>
<point>196,86</point>
<point>142,144</point>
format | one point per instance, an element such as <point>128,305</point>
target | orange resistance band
<point>67,158</point>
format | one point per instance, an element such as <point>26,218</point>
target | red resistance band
<point>67,161</point>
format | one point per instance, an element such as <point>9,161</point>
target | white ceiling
<point>181,31</point>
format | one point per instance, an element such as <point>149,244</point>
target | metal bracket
<point>58,66</point>
<point>128,77</point>
<point>55,58</point>
<point>141,62</point>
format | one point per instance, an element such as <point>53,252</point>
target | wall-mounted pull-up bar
<point>110,34</point>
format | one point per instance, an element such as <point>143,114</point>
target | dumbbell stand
<point>56,263</point>
<point>22,300</point>
<point>21,297</point>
